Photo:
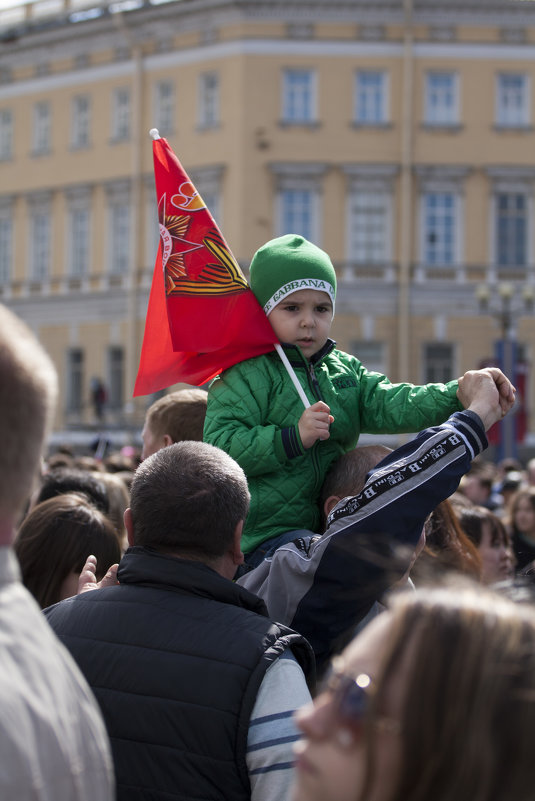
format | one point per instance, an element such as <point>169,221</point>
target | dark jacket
<point>175,655</point>
<point>253,414</point>
<point>324,586</point>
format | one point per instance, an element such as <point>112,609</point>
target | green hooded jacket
<point>253,414</point>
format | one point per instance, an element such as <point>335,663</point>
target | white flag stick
<point>291,373</point>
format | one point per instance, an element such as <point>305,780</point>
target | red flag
<point>202,316</point>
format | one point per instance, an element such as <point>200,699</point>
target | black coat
<point>175,655</point>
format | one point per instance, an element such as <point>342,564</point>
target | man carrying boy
<point>255,414</point>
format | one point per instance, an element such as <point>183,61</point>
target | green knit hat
<point>288,264</point>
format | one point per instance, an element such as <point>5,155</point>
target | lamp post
<point>499,301</point>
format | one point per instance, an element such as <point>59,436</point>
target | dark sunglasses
<point>351,697</point>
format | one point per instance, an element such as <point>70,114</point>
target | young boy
<point>255,414</point>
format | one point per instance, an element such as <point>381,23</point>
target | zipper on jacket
<point>314,381</point>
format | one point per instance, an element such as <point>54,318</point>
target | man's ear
<point>166,439</point>
<point>129,525</point>
<point>329,504</point>
<point>237,555</point>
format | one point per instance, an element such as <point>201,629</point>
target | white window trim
<point>520,180</point>
<point>157,106</point>
<point>526,105</point>
<point>202,119</point>
<point>286,120</point>
<point>7,135</point>
<point>116,134</point>
<point>75,142</point>
<point>6,213</point>
<point>78,198</point>
<point>307,176</point>
<point>456,99</point>
<point>458,200</point>
<point>385,111</point>
<point>39,123</point>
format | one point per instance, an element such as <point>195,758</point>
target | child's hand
<point>314,424</point>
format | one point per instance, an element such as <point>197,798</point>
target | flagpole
<point>291,373</point>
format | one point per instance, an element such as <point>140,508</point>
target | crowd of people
<point>373,638</point>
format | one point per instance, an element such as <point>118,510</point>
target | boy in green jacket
<point>255,414</point>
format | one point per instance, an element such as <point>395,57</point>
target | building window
<point>371,97</point>
<point>80,121</point>
<point>297,213</point>
<point>6,134</point>
<point>441,98</point>
<point>6,248</point>
<point>121,114</point>
<point>438,363</point>
<point>164,106</point>
<point>369,227</point>
<point>79,239</point>
<point>116,377</point>
<point>119,238</point>
<point>439,228</point>
<point>41,128</point>
<point>511,229</point>
<point>40,224</point>
<point>371,354</point>
<point>298,96</point>
<point>208,100</point>
<point>512,100</point>
<point>75,380</point>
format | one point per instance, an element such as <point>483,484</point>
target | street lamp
<point>499,301</point>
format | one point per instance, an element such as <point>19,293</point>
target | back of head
<point>287,264</point>
<point>188,499</point>
<point>463,661</point>
<point>347,475</point>
<point>28,391</point>
<point>56,538</point>
<point>63,480</point>
<point>179,414</point>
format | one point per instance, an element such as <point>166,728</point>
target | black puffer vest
<point>175,656</point>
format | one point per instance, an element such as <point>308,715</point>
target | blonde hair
<point>179,414</point>
<point>28,393</point>
<point>467,659</point>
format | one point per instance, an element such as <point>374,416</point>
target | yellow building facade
<point>397,136</point>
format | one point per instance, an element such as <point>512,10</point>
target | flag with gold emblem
<point>202,316</point>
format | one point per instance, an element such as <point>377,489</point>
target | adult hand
<point>88,576</point>
<point>488,393</point>
<point>314,424</point>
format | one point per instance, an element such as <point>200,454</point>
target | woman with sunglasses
<point>434,701</point>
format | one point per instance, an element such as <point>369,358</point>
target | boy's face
<point>304,318</point>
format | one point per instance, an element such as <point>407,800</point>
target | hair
<point>188,499</point>
<point>472,520</point>
<point>523,494</point>
<point>55,540</point>
<point>118,500</point>
<point>483,472</point>
<point>62,480</point>
<point>28,392</point>
<point>447,547</point>
<point>120,463</point>
<point>468,695</point>
<point>179,414</point>
<point>347,475</point>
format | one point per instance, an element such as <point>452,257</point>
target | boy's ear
<point>329,504</point>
